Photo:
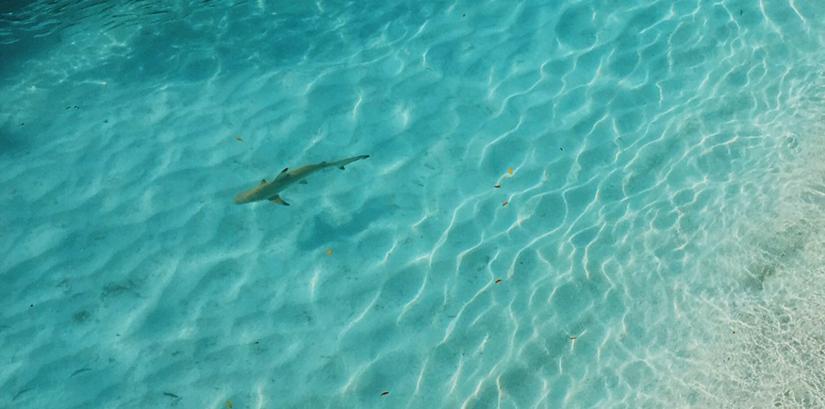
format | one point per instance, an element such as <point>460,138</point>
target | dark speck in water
<point>79,371</point>
<point>22,391</point>
<point>81,316</point>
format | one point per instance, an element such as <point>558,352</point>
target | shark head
<point>251,195</point>
<point>264,191</point>
<point>242,198</point>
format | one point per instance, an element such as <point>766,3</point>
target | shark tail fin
<point>347,161</point>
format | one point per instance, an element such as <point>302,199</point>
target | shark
<point>271,190</point>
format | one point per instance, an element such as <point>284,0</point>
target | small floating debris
<point>385,393</point>
<point>505,203</point>
<point>238,138</point>
<point>497,186</point>
<point>498,281</point>
<point>329,252</point>
<point>171,395</point>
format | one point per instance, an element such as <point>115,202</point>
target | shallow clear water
<point>571,204</point>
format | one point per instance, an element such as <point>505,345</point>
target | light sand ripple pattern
<point>651,146</point>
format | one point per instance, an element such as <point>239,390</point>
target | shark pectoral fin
<point>303,182</point>
<point>277,200</point>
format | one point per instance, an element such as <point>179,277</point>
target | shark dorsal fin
<point>263,181</point>
<point>282,174</point>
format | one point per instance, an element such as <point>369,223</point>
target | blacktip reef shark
<point>271,190</point>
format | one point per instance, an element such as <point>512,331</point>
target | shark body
<point>271,190</point>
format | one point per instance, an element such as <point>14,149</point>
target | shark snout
<point>241,198</point>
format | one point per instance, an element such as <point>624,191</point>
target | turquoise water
<point>654,240</point>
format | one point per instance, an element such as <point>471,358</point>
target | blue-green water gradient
<point>567,204</point>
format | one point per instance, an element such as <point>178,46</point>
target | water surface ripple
<point>578,204</point>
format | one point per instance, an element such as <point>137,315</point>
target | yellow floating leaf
<point>329,251</point>
<point>509,171</point>
<point>229,404</point>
